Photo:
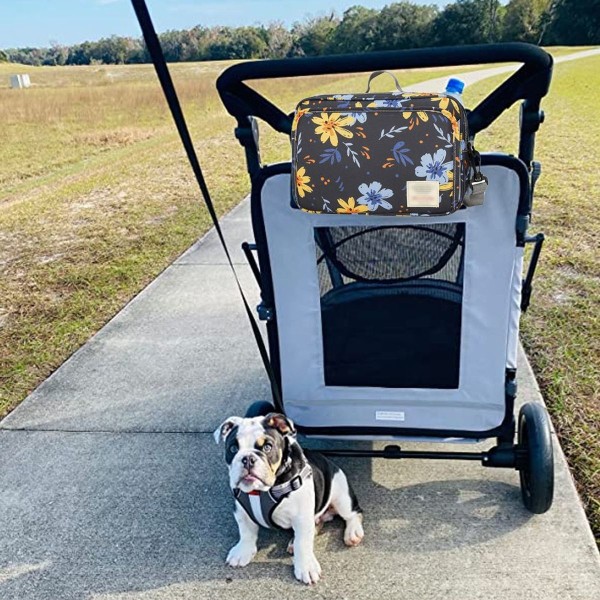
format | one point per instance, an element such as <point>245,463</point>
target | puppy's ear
<point>280,422</point>
<point>222,431</point>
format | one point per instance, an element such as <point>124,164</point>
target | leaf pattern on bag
<point>392,132</point>
<point>401,154</point>
<point>445,137</point>
<point>331,155</point>
<point>352,153</point>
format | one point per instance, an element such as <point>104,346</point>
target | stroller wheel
<point>536,467</point>
<point>260,408</point>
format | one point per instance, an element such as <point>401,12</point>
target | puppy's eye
<point>233,449</point>
<point>267,447</point>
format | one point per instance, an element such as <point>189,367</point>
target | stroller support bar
<point>498,456</point>
<point>529,83</point>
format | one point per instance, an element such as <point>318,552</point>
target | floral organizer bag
<point>397,153</point>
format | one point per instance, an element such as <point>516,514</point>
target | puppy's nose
<point>248,461</point>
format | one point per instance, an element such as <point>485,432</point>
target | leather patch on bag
<point>422,194</point>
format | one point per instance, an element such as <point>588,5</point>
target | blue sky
<point>39,22</point>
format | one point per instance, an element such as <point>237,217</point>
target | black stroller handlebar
<point>530,82</point>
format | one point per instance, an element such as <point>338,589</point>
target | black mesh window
<point>391,301</point>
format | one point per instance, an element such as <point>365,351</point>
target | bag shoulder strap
<point>164,76</point>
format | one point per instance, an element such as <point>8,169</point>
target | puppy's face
<point>255,449</point>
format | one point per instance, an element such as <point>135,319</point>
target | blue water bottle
<point>455,88</point>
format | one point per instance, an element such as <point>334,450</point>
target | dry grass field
<point>96,198</point>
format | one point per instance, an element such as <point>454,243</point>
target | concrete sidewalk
<point>112,486</point>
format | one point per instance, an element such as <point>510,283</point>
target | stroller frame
<point>531,452</point>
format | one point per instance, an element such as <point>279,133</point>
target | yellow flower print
<point>350,207</point>
<point>414,118</point>
<point>301,182</point>
<point>444,102</point>
<point>455,126</point>
<point>330,125</point>
<point>299,113</point>
<point>451,115</point>
<point>449,186</point>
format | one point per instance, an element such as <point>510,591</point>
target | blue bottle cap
<point>455,85</point>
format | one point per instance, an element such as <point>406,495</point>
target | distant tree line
<point>396,26</point>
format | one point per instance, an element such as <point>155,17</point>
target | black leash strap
<point>164,76</point>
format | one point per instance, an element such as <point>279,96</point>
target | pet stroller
<point>383,328</point>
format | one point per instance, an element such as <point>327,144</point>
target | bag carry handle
<point>376,74</point>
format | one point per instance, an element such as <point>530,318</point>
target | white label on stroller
<point>422,193</point>
<point>389,415</point>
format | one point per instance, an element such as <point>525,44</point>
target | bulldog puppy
<point>276,484</point>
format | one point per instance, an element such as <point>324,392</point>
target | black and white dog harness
<point>260,505</point>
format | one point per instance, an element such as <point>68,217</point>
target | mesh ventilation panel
<point>391,300</point>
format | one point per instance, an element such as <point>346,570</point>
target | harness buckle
<point>296,483</point>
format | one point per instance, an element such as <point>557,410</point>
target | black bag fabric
<point>386,154</point>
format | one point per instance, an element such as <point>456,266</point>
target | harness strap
<point>285,489</point>
<point>260,505</point>
<point>164,76</point>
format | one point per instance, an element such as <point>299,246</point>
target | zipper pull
<point>479,182</point>
<point>474,157</point>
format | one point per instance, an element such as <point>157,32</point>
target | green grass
<point>96,198</point>
<point>561,330</point>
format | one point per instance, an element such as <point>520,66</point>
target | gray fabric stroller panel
<point>485,292</point>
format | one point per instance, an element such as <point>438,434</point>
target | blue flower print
<point>374,196</point>
<point>345,100</point>
<point>392,103</point>
<point>433,168</point>
<point>386,103</point>
<point>359,117</point>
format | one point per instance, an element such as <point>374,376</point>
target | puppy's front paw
<point>240,555</point>
<point>354,534</point>
<point>307,571</point>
